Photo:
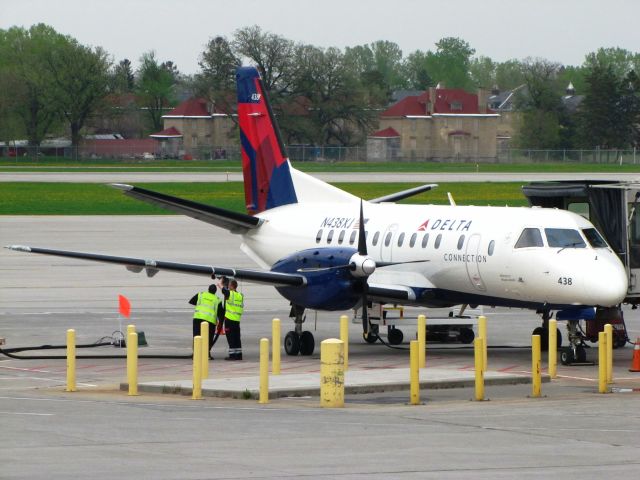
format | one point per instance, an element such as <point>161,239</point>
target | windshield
<point>564,238</point>
<point>530,237</point>
<point>594,238</point>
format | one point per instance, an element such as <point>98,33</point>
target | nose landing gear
<point>298,341</point>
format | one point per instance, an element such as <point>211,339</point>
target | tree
<point>603,120</point>
<point>272,55</point>
<point>509,75</point>
<point>450,63</point>
<point>216,81</point>
<point>79,77</point>
<point>416,71</point>
<point>122,78</point>
<point>27,93</point>
<point>483,72</point>
<point>620,60</point>
<point>154,87</point>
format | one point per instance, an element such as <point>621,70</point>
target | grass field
<point>96,199</point>
<point>11,165</point>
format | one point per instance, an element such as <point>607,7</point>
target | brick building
<point>439,124</point>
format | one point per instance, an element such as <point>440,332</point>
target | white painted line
<point>28,413</point>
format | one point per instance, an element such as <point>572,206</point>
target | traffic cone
<point>635,363</point>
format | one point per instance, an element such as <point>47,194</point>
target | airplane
<point>325,249</point>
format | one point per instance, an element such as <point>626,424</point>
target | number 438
<point>565,281</point>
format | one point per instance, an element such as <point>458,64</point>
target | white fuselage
<point>469,249</point>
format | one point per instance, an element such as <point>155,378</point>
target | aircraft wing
<point>220,217</point>
<point>394,197</point>
<point>151,267</point>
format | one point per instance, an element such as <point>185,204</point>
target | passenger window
<point>412,241</point>
<point>564,238</point>
<point>387,239</point>
<point>492,246</point>
<point>401,239</point>
<point>330,236</point>
<point>438,240</point>
<point>376,236</point>
<point>341,237</point>
<point>425,240</point>
<point>460,242</point>
<point>530,237</point>
<point>352,238</point>
<point>319,236</point>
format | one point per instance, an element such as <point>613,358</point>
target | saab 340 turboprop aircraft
<point>325,249</point>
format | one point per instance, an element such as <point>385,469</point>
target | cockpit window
<point>564,238</point>
<point>594,238</point>
<point>530,237</point>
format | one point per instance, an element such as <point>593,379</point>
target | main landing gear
<point>298,341</point>
<point>575,352</point>
<point>543,331</point>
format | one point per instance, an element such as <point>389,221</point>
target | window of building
<point>456,105</point>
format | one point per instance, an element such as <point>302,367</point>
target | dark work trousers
<point>212,332</point>
<point>233,337</point>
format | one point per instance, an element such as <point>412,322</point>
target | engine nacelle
<point>361,265</point>
<point>331,284</point>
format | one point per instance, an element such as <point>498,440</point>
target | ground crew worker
<point>233,308</point>
<point>208,308</point>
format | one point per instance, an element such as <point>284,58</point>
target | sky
<point>558,30</point>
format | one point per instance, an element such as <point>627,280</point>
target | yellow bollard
<point>344,336</point>
<point>608,330</point>
<point>197,366</point>
<point>478,349</point>
<point>264,371</point>
<point>414,371</point>
<point>71,360</point>
<point>536,378</point>
<point>275,352</point>
<point>130,329</point>
<point>132,362</point>
<point>332,373</point>
<point>602,362</point>
<point>553,349</point>
<point>422,341</point>
<point>204,333</point>
<point>482,333</point>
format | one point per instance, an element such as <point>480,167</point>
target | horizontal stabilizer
<point>394,197</point>
<point>233,221</point>
<point>151,267</point>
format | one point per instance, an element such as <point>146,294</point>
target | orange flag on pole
<point>125,306</point>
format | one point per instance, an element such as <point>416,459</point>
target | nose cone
<point>608,285</point>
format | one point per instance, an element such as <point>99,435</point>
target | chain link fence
<point>145,152</point>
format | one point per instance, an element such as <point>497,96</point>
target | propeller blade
<point>362,239</point>
<point>387,264</point>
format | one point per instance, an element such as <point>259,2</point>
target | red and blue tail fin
<point>265,167</point>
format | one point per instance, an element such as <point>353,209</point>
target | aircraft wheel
<point>581,354</point>
<point>395,336</point>
<point>371,338</point>
<point>544,337</point>
<point>466,335</point>
<point>292,343</point>
<point>619,342</point>
<point>307,343</point>
<point>566,356</point>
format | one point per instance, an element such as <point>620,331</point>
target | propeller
<point>365,270</point>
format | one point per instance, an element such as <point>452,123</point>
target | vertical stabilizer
<point>265,167</point>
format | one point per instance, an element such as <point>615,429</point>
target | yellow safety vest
<point>234,306</point>
<point>207,307</point>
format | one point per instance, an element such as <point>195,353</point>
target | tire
<point>395,336</point>
<point>544,337</point>
<point>581,354</point>
<point>371,338</point>
<point>292,343</point>
<point>566,356</point>
<point>307,343</point>
<point>466,335</point>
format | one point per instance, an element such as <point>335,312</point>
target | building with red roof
<point>196,129</point>
<point>440,123</point>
